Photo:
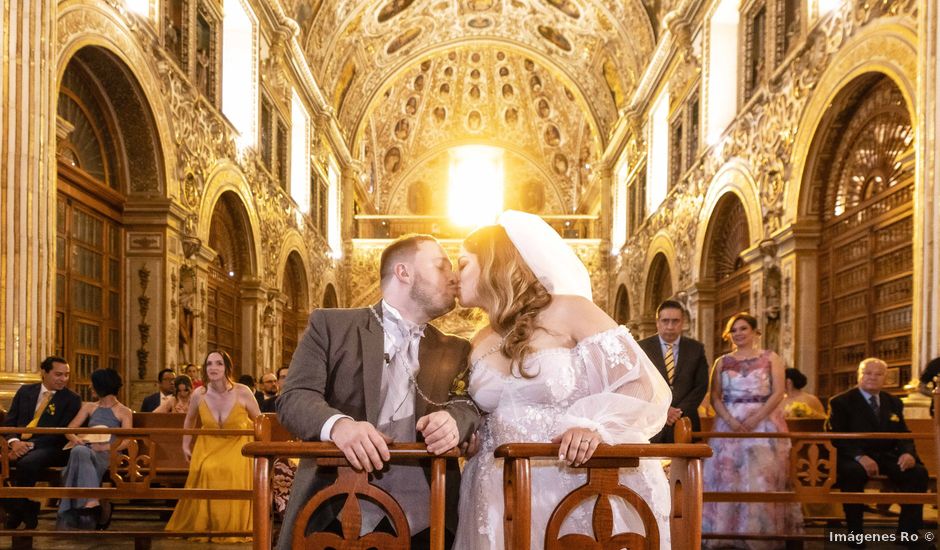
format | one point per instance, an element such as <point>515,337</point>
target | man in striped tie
<point>47,404</point>
<point>681,361</point>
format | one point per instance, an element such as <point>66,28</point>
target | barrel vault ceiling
<point>544,79</point>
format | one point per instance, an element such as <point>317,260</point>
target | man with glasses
<point>681,361</point>
<point>268,405</point>
<point>154,400</point>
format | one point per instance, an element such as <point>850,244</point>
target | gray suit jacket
<point>690,379</point>
<point>337,369</point>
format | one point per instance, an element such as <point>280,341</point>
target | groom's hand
<point>439,430</point>
<point>364,447</point>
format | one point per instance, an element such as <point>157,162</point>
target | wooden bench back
<point>273,441</point>
<point>166,449</point>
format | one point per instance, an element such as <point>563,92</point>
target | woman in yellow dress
<point>216,461</point>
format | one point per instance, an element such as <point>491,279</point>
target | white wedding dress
<point>607,383</point>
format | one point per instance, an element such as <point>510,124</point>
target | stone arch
<point>98,25</point>
<point>293,315</point>
<point>293,243</point>
<point>734,177</point>
<point>226,178</point>
<point>330,298</point>
<point>661,245</point>
<point>862,178</point>
<point>886,48</point>
<point>725,272</point>
<point>622,306</point>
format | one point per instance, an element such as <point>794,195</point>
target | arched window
<point>294,316</point>
<point>726,239</point>
<point>89,232</point>
<point>864,167</point>
<point>228,234</point>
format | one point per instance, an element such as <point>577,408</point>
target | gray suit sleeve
<point>302,407</point>
<point>461,406</point>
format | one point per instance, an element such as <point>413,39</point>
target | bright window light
<point>618,233</point>
<point>140,7</point>
<point>333,234</point>
<point>722,80</point>
<point>475,194</point>
<point>239,59</point>
<point>657,164</point>
<point>826,6</point>
<point>299,153</point>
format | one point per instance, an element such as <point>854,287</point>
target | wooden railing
<point>813,474</point>
<point>270,444</point>
<point>686,485</point>
<point>134,473</point>
<point>685,482</point>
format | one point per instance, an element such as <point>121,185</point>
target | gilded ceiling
<point>546,79</point>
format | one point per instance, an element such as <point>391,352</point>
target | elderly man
<point>365,377</point>
<point>868,409</point>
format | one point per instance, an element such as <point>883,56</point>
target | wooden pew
<point>133,475</point>
<point>271,441</point>
<point>812,466</point>
<point>603,482</point>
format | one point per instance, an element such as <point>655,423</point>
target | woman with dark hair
<point>216,461</point>
<point>551,366</point>
<point>182,396</point>
<point>746,392</point>
<point>798,403</point>
<point>90,453</point>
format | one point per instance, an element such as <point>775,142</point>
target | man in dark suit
<point>154,400</point>
<point>48,404</point>
<point>866,408</point>
<point>686,371</point>
<point>362,378</point>
<point>270,404</point>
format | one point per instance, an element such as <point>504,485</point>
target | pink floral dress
<point>748,465</point>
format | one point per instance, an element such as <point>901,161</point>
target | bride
<point>551,366</point>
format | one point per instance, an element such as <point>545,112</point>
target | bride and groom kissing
<point>549,366</point>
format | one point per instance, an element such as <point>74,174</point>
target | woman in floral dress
<point>747,390</point>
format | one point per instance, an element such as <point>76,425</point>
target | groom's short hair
<point>402,248</point>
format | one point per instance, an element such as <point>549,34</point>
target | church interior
<point>181,176</point>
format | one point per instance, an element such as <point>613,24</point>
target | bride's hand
<point>577,445</point>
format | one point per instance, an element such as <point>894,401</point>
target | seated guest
<point>216,461</point>
<point>866,408</point>
<point>154,400</point>
<point>90,454</point>
<point>798,403</point>
<point>192,371</point>
<point>179,403</point>
<point>48,404</point>
<point>269,405</point>
<point>268,385</point>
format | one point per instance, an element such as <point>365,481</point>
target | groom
<point>352,381</point>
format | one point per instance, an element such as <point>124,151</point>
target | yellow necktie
<point>670,364</point>
<point>42,407</point>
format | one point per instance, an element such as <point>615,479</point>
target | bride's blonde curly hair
<point>510,289</point>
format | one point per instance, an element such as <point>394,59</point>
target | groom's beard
<point>433,303</point>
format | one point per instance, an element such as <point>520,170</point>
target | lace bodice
<point>605,382</point>
<point>566,388</point>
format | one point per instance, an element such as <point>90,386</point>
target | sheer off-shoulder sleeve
<point>629,399</point>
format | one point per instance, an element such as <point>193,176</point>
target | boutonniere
<point>51,409</point>
<point>895,418</point>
